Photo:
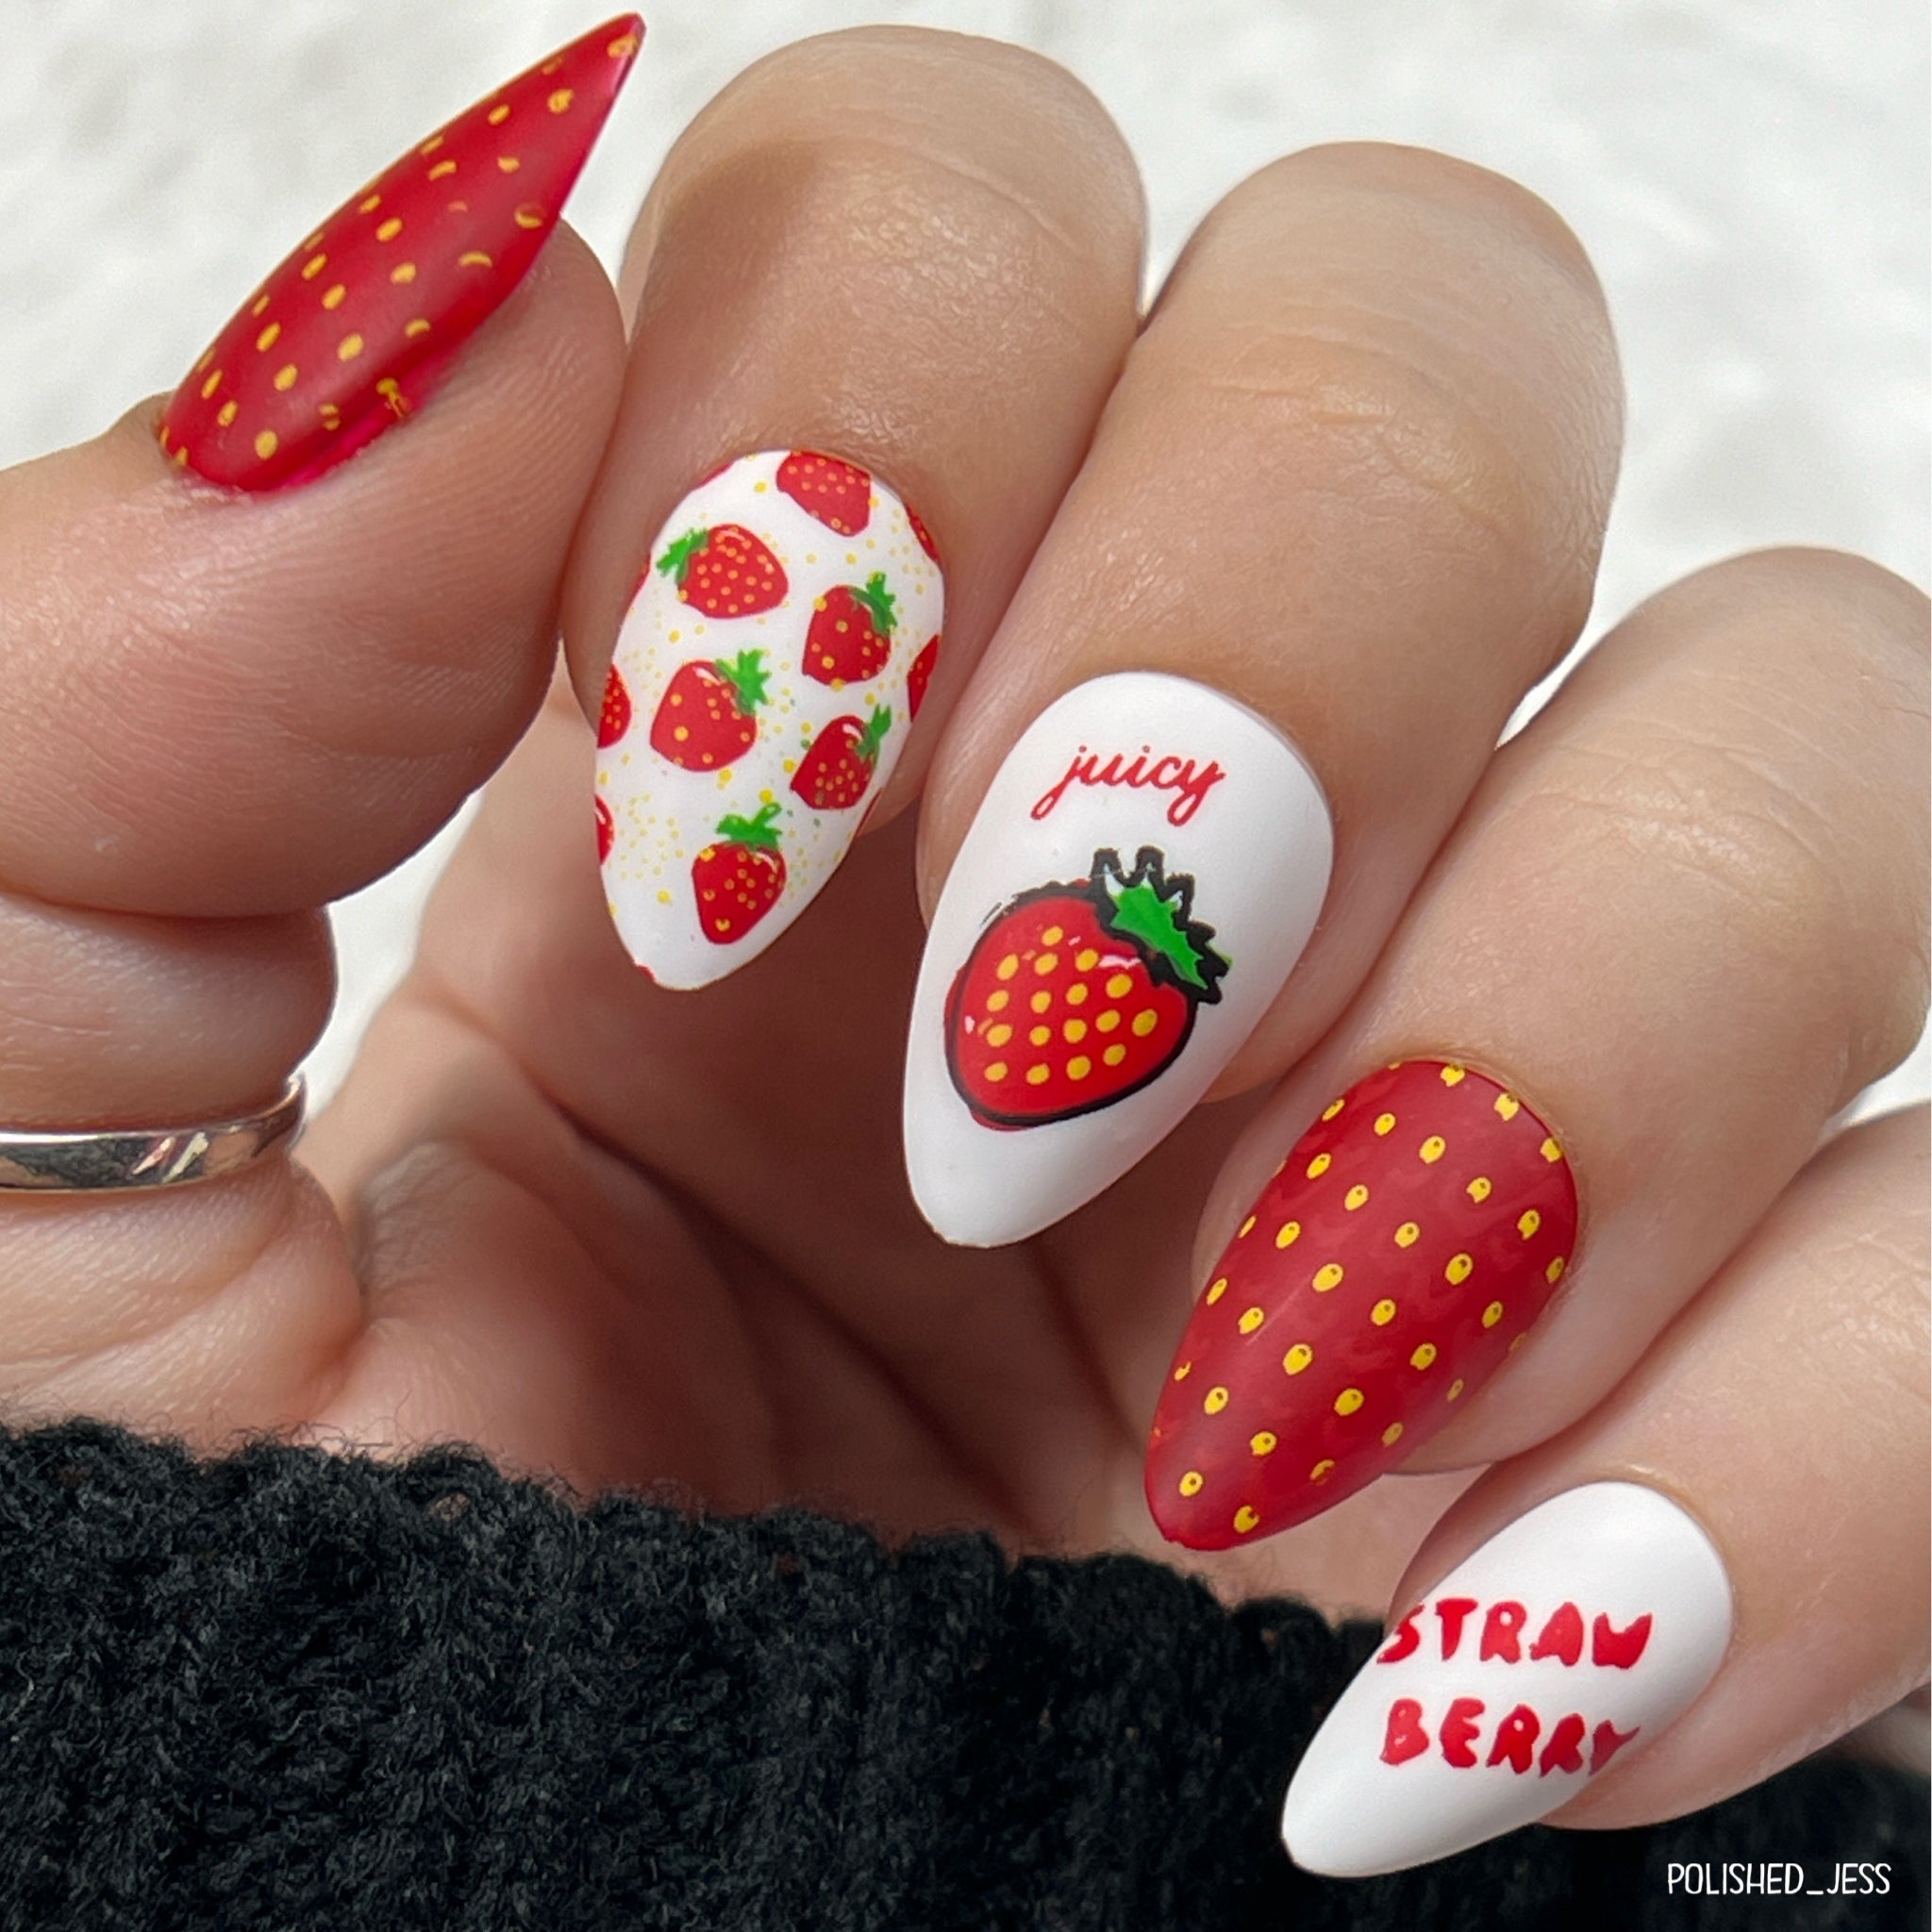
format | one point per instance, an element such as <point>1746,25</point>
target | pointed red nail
<point>1384,1274</point>
<point>349,334</point>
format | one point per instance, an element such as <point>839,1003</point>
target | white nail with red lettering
<point>1575,1635</point>
<point>1141,877</point>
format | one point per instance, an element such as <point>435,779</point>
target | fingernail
<point>1383,1274</point>
<point>1570,1638</point>
<point>348,336</point>
<point>763,687</point>
<point>1139,881</point>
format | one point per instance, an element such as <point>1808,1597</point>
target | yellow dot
<point>388,231</point>
<point>1250,1320</point>
<point>559,102</point>
<point>181,458</point>
<point>417,328</point>
<point>1041,1001</point>
<point>1086,960</point>
<point>1385,1122</point>
<point>996,1002</point>
<point>1298,1357</point>
<point>1320,1472</point>
<point>1045,963</point>
<point>227,414</point>
<point>1007,967</point>
<point>1262,1443</point>
<point>430,145</point>
<point>1550,1149</point>
<point>1038,1075</point>
<point>210,387</point>
<point>1348,1402</point>
<point>256,308</point>
<point>1053,936</point>
<point>1247,1228</point>
<point>1216,1400</point>
<point>441,169</point>
<point>1453,1076</point>
<point>498,114</point>
<point>1458,1270</point>
<point>1383,1312</point>
<point>313,266</point>
<point>1108,1021</point>
<point>1216,1289</point>
<point>403,272</point>
<point>508,163</point>
<point>1508,1105</point>
<point>1077,995</point>
<point>1407,1235</point>
<point>1334,1107</point>
<point>369,204</point>
<point>1119,987</point>
<point>1392,1435</point>
<point>1287,1234</point>
<point>1146,1021</point>
<point>1356,1197</point>
<point>997,1071</point>
<point>998,1036</point>
<point>623,47</point>
<point>1528,1222</point>
<point>1423,1355</point>
<point>266,340</point>
<point>1079,1067</point>
<point>473,257</point>
<point>331,416</point>
<point>332,297</point>
<point>1554,1273</point>
<point>285,375</point>
<point>1433,1149</point>
<point>1114,1056</point>
<point>1327,1275</point>
<point>1039,1036</point>
<point>1492,1314</point>
<point>1479,1188</point>
<point>266,445</point>
<point>1244,1519</point>
<point>1317,1167</point>
<point>1455,1390</point>
<point>348,348</point>
<point>1073,1032</point>
<point>1191,1483</point>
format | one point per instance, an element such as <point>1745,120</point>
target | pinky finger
<point>1720,1569</point>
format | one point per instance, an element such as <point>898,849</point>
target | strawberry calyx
<point>879,602</point>
<point>676,562</point>
<point>865,747</point>
<point>1153,912</point>
<point>745,674</point>
<point>758,834</point>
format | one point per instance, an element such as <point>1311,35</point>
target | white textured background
<point>1751,177</point>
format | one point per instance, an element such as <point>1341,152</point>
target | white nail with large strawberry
<point>1139,882</point>
<point>766,677</point>
<point>1569,1640</point>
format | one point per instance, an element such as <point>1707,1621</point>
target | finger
<point>229,705</point>
<point>1350,489</point>
<point>1748,1515</point>
<point>1680,925</point>
<point>900,270</point>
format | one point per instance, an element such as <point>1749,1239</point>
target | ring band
<point>124,1159</point>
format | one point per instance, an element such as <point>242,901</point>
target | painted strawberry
<point>1077,996</point>
<point>707,716</point>
<point>851,633</point>
<point>919,531</point>
<point>614,720</point>
<point>606,831</point>
<point>838,495</point>
<point>738,880</point>
<point>921,674</point>
<point>725,572</point>
<point>834,774</point>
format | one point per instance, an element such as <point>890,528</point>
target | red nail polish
<point>349,333</point>
<point>1383,1275</point>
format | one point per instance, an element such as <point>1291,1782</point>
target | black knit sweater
<point>291,1689</point>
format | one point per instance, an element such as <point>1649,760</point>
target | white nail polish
<point>764,684</point>
<point>1575,1635</point>
<point>1139,881</point>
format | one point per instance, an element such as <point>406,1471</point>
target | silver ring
<point>122,1158</point>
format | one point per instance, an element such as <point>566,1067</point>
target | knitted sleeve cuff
<point>290,1688</point>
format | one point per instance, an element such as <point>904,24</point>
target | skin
<point>1354,471</point>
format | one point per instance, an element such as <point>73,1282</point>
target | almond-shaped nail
<point>1139,881</point>
<point>764,683</point>
<point>1384,1274</point>
<point>351,332</point>
<point>1573,1636</point>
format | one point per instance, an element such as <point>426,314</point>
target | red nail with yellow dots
<point>353,331</point>
<point>1388,1269</point>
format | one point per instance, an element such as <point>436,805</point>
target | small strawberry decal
<point>834,774</point>
<point>614,720</point>
<point>606,831</point>
<point>725,572</point>
<point>851,633</point>
<point>739,878</point>
<point>1077,996</point>
<point>838,495</point>
<point>707,717</point>
<point>921,675</point>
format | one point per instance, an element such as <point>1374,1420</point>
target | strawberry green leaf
<point>676,563</point>
<point>746,675</point>
<point>866,746</point>
<point>879,602</point>
<point>1153,912</point>
<point>758,833</point>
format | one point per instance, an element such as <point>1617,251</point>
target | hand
<point>1352,476</point>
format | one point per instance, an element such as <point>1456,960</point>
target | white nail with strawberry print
<point>1569,1640</point>
<point>766,677</point>
<point>1139,882</point>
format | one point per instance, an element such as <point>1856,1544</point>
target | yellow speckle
<point>1327,1275</point>
<point>1554,1273</point>
<point>473,257</point>
<point>1356,1197</point>
<point>1079,1067</point>
<point>1191,1483</point>
<point>417,327</point>
<point>1216,1289</point>
<point>1146,1021</point>
<point>1077,996</point>
<point>1334,1107</point>
<point>623,47</point>
<point>1007,967</point>
<point>530,216</point>
<point>1385,1123</point>
<point>1287,1234</point>
<point>1039,1075</point>
<point>1109,1021</point>
<point>1508,1105</point>
<point>1045,963</point>
<point>1181,1374</point>
<point>1407,1235</point>
<point>348,348</point>
<point>664,898</point>
<point>1041,1001</point>
<point>210,387</point>
<point>1455,1390</point>
<point>1320,1472</point>
<point>1459,1269</point>
<point>266,445</point>
<point>181,458</point>
<point>369,204</point>
<point>441,169</point>
<point>995,1001</point>
<point>1119,986</point>
<point>227,413</point>
<point>332,297</point>
<point>1453,1076</point>
<point>430,145</point>
<point>286,375</point>
<point>403,272</point>
<point>1114,1056</point>
<point>313,266</point>
<point>1383,1312</point>
<point>1250,1320</point>
<point>1550,1150</point>
<point>1073,1032</point>
<point>1423,1355</point>
<point>1246,1227</point>
<point>1433,1149</point>
<point>1244,1519</point>
<point>1086,960</point>
<point>1528,1222</point>
<point>1298,1357</point>
<point>1392,1435</point>
<point>331,416</point>
<point>266,340</point>
<point>498,114</point>
<point>259,304</point>
<point>997,1071</point>
<point>1492,1314</point>
<point>388,231</point>
<point>1348,1402</point>
<point>1262,1443</point>
<point>1479,1188</point>
<point>1053,936</point>
<point>998,1036</point>
<point>508,163</point>
<point>559,101</point>
<point>1317,1167</point>
<point>1215,1400</point>
<point>1039,1036</point>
